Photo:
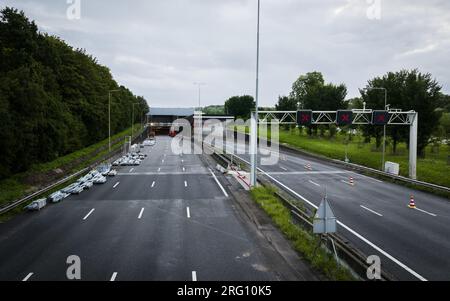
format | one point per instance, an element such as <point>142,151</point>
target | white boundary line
<point>140,213</point>
<point>374,212</point>
<point>113,277</point>
<point>87,215</point>
<point>218,183</point>
<point>393,259</point>
<point>314,183</point>
<point>429,213</point>
<point>27,277</point>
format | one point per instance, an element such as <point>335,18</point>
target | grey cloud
<point>159,48</point>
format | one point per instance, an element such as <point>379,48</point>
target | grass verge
<point>13,188</point>
<point>434,168</point>
<point>303,241</point>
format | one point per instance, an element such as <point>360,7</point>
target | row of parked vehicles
<point>149,142</point>
<point>132,159</point>
<point>96,176</point>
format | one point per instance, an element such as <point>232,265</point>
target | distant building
<point>161,119</point>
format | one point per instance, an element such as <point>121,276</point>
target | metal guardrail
<point>42,191</point>
<point>352,257</point>
<point>18,202</point>
<point>395,177</point>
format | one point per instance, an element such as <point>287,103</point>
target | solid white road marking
<point>115,185</point>
<point>194,276</point>
<point>421,210</point>
<point>283,168</point>
<point>140,213</point>
<point>188,212</point>
<point>314,183</point>
<point>131,170</point>
<point>153,184</point>
<point>113,277</point>
<point>87,215</point>
<point>185,183</point>
<point>393,259</point>
<point>27,277</point>
<point>374,212</point>
<point>218,183</point>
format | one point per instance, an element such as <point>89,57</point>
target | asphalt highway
<point>168,219</point>
<point>413,244</point>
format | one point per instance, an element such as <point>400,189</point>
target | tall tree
<point>406,90</point>
<point>53,98</point>
<point>240,106</point>
<point>286,103</point>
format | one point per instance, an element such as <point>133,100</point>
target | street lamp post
<point>254,118</point>
<point>199,92</point>
<point>132,119</point>
<point>384,127</point>
<point>109,118</point>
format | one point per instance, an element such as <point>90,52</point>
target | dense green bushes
<point>53,98</point>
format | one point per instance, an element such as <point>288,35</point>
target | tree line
<point>53,98</point>
<point>406,90</point>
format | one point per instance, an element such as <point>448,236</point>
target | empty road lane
<point>163,220</point>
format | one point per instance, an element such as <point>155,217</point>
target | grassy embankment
<point>433,168</point>
<point>14,187</point>
<point>303,241</point>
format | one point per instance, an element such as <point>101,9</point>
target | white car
<point>100,180</point>
<point>69,188</point>
<point>77,189</point>
<point>89,184</point>
<point>112,173</point>
<point>37,205</point>
<point>57,196</point>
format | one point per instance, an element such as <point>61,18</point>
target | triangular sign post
<point>324,220</point>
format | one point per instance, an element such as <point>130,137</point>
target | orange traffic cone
<point>351,181</point>
<point>412,204</point>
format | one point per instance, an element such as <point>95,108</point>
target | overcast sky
<point>159,48</point>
